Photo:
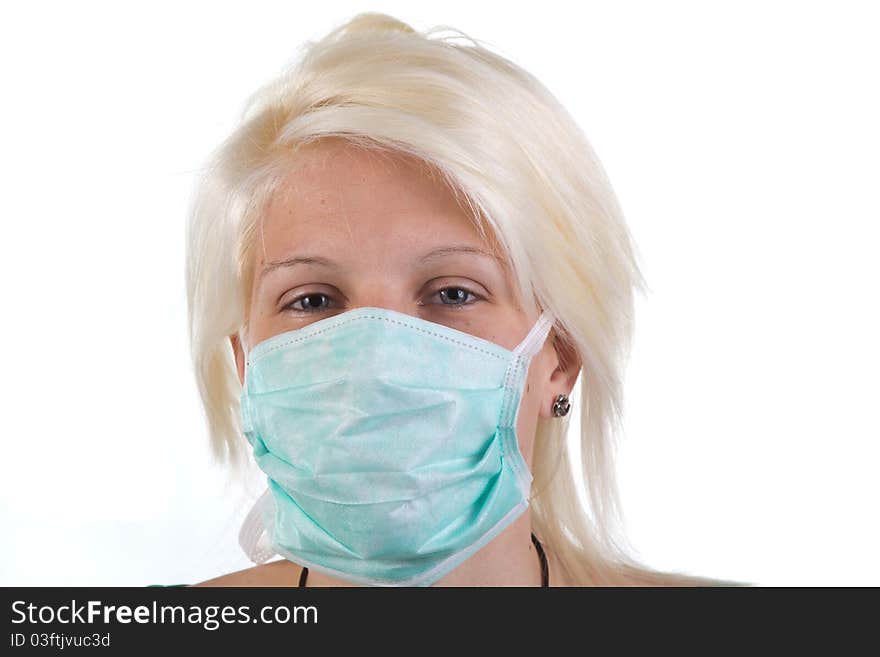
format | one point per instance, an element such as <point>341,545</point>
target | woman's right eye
<point>309,303</point>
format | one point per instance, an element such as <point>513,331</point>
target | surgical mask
<point>389,445</point>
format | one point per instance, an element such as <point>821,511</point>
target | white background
<point>742,139</point>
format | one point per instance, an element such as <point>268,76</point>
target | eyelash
<point>476,297</point>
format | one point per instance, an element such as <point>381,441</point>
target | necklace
<point>545,571</point>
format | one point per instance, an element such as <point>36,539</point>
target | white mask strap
<point>243,343</point>
<point>533,342</point>
<point>253,537</point>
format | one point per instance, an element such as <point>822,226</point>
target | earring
<point>561,406</point>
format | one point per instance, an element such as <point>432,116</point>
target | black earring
<point>561,406</point>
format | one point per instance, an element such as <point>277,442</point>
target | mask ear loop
<point>244,352</point>
<point>533,342</point>
<point>530,345</point>
<point>253,536</point>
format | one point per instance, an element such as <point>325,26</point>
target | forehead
<point>339,196</point>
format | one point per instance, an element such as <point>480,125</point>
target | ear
<point>567,368</point>
<point>239,357</point>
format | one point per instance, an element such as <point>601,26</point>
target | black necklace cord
<point>545,571</point>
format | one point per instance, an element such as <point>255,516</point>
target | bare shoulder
<point>275,573</point>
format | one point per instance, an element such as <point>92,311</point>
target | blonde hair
<point>519,162</point>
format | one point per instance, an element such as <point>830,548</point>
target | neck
<point>510,559</point>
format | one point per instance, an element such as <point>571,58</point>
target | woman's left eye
<point>455,296</point>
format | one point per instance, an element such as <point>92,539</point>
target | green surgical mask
<point>389,444</point>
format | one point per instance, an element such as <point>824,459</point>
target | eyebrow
<point>433,254</point>
<point>457,248</point>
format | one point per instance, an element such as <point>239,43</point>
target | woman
<point>398,267</point>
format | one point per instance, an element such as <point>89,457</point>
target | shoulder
<point>274,573</point>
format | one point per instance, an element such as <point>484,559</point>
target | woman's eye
<point>309,302</point>
<point>456,296</point>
